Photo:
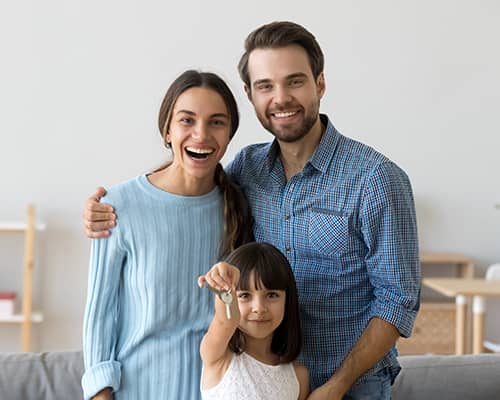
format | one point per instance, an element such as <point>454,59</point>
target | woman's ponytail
<point>238,227</point>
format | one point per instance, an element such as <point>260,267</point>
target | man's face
<point>283,91</point>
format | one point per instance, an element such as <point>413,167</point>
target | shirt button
<point>287,248</point>
<point>287,217</point>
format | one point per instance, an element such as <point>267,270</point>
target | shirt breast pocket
<point>328,231</point>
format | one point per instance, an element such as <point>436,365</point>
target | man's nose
<point>282,95</point>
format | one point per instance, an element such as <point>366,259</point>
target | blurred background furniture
<point>492,336</point>
<point>477,289</point>
<point>57,375</point>
<point>27,316</point>
<point>435,326</point>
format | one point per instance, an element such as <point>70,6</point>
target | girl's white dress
<point>249,379</point>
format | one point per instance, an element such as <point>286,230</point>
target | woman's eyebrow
<point>186,112</point>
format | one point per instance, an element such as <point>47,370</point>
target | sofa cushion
<point>41,376</point>
<point>57,375</point>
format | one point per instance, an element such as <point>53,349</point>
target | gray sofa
<point>56,376</point>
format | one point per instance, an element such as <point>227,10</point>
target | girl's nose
<point>259,307</point>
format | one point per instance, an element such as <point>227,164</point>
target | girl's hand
<point>222,276</point>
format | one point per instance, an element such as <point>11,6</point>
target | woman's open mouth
<point>198,153</point>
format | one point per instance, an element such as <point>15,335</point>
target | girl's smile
<point>261,310</point>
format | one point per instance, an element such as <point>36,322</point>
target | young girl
<point>251,355</point>
<point>145,318</point>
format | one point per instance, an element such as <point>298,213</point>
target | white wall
<point>81,83</point>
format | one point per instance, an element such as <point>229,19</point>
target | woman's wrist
<point>104,394</point>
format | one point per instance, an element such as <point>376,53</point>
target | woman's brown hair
<point>237,218</point>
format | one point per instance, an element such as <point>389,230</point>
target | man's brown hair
<point>281,34</point>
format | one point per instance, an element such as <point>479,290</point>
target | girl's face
<point>261,310</point>
<point>199,132</point>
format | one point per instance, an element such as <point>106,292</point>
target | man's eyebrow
<point>296,75</point>
<point>260,81</point>
<point>288,77</point>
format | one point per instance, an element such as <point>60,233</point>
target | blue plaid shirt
<point>347,225</point>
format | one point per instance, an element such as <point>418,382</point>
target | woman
<point>145,318</point>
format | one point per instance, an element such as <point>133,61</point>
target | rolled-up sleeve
<point>101,313</point>
<point>389,228</point>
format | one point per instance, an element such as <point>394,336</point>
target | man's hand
<point>97,217</point>
<point>325,392</point>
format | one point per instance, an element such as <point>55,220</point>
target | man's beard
<point>293,134</point>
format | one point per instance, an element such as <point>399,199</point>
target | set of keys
<point>226,297</point>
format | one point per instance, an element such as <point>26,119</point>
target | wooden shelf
<point>36,317</point>
<point>19,227</point>
<point>27,317</point>
<point>462,262</point>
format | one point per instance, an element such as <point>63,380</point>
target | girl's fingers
<point>216,279</point>
<point>222,276</point>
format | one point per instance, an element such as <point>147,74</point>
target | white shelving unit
<point>27,316</point>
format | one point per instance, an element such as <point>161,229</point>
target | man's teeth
<point>285,114</point>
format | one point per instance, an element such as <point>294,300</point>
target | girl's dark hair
<point>271,269</point>
<point>281,34</point>
<point>238,224</point>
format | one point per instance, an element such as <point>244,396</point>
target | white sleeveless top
<point>249,379</point>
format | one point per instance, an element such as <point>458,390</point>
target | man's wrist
<point>338,385</point>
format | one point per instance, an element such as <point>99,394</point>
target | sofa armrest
<point>436,377</point>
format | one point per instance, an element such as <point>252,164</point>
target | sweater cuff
<point>100,376</point>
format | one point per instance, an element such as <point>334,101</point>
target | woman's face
<point>199,132</point>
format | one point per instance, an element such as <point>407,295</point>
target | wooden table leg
<point>460,324</point>
<point>478,311</point>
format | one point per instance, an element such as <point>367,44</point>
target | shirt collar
<point>324,152</point>
<point>326,149</point>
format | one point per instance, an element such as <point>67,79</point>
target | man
<point>341,212</point>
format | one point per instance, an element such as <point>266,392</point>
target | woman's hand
<point>105,394</point>
<point>222,276</point>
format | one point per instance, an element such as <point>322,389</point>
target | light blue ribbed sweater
<point>145,315</point>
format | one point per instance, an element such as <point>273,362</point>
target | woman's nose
<point>200,131</point>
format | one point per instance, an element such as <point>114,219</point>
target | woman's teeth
<point>198,153</point>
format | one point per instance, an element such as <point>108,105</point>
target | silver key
<point>226,297</point>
